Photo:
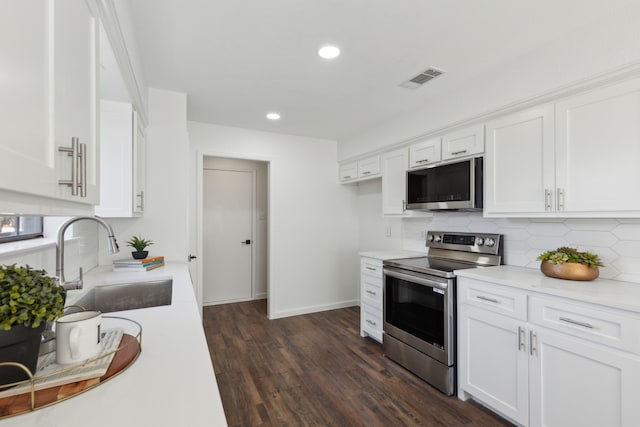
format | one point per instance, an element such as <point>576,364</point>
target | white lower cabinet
<point>371,298</point>
<point>546,365</point>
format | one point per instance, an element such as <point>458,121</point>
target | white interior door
<point>227,232</point>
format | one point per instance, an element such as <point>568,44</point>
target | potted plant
<point>139,244</point>
<point>28,299</point>
<point>569,263</point>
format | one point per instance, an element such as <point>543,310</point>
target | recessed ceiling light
<point>273,116</point>
<point>329,52</point>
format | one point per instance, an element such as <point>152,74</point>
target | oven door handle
<point>415,279</point>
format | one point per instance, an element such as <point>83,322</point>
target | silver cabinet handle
<point>575,322</point>
<point>547,199</point>
<point>560,198</point>
<point>366,172</point>
<point>483,298</point>
<point>82,154</point>
<point>371,268</point>
<point>422,161</point>
<point>404,206</point>
<point>140,205</point>
<point>73,152</point>
<point>371,292</point>
<point>521,343</point>
<point>533,343</point>
<point>458,152</point>
<point>371,322</point>
<point>347,177</point>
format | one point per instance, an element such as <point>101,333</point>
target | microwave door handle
<point>415,279</point>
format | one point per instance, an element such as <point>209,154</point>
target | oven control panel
<point>466,242</point>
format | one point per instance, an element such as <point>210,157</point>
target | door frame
<point>195,239</point>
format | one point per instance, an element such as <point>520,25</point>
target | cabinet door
<point>577,383</point>
<point>139,166</point>
<point>598,147</point>
<point>27,145</point>
<point>464,142</point>
<point>116,155</point>
<point>348,171</point>
<point>76,101</point>
<point>519,162</point>
<point>425,152</point>
<point>369,167</point>
<point>493,361</point>
<point>394,181</point>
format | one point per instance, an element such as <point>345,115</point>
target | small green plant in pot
<point>571,264</point>
<point>139,244</point>
<point>28,299</point>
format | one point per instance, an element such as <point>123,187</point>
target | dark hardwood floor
<point>316,370</point>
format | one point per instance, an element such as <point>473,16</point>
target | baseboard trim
<point>314,309</point>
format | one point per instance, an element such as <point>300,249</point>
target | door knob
<point>246,242</point>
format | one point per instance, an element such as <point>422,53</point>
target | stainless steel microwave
<point>450,186</point>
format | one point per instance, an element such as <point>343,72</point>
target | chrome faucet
<point>112,248</point>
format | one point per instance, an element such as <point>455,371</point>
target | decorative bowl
<point>569,271</point>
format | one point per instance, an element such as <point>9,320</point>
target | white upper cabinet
<point>394,181</point>
<point>49,99</point>
<point>425,152</point>
<point>598,148</point>
<point>520,162</point>
<point>360,170</point>
<point>577,157</point>
<point>122,151</point>
<point>464,142</point>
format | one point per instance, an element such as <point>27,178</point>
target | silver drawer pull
<point>371,322</point>
<point>483,298</point>
<point>371,268</point>
<point>575,322</point>
<point>346,177</point>
<point>422,161</point>
<point>366,173</point>
<point>371,292</point>
<point>459,152</point>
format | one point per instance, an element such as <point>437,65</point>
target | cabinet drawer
<point>371,291</point>
<point>371,267</point>
<point>499,299</point>
<point>372,322</point>
<point>604,326</point>
<point>369,167</point>
<point>348,171</point>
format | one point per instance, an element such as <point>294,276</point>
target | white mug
<point>78,337</point>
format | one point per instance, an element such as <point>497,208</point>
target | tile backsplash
<point>617,241</point>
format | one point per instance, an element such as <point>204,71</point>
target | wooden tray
<point>21,403</point>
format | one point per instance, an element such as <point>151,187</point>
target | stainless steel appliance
<point>419,301</point>
<point>450,186</point>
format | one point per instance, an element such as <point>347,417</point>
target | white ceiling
<point>239,59</point>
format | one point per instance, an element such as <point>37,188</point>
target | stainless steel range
<point>420,303</point>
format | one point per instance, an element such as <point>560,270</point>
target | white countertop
<point>172,383</point>
<point>397,254</point>
<point>610,293</point>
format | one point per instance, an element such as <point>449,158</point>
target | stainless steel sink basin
<point>128,296</point>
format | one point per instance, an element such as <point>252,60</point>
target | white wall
<point>608,45</point>
<point>313,225</point>
<point>166,216</point>
<point>260,249</point>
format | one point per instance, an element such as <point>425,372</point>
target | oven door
<point>418,310</point>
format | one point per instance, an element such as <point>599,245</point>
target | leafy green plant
<point>565,254</point>
<point>28,297</point>
<point>138,243</point>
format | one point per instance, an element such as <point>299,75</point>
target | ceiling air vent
<point>417,81</point>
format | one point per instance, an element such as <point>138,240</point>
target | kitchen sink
<point>128,296</point>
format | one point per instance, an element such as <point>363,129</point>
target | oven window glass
<point>416,309</point>
<point>446,183</point>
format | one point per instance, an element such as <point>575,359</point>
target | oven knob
<point>437,238</point>
<point>489,242</point>
<point>479,241</point>
<point>429,237</point>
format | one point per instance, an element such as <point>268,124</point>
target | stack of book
<point>138,264</point>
